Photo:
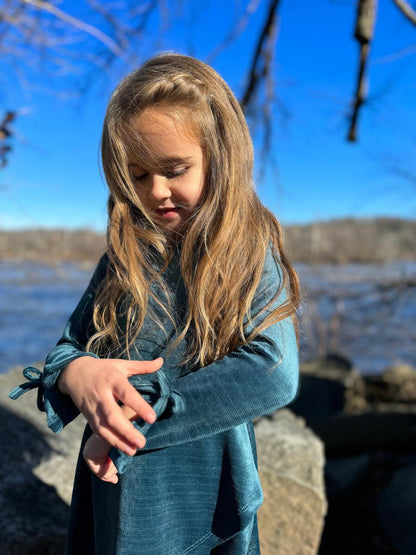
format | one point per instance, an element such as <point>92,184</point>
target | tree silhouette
<point>41,34</point>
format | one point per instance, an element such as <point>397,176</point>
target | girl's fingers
<point>134,367</point>
<point>99,400</point>
<point>116,428</point>
<point>104,469</point>
<point>109,473</point>
<point>127,394</point>
<point>116,441</point>
<point>111,479</point>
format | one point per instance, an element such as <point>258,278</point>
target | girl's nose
<point>159,188</point>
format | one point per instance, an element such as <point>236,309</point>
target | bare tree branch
<point>256,72</point>
<point>260,76</point>
<point>5,136</point>
<point>78,24</point>
<point>37,35</point>
<point>118,28</point>
<point>389,58</point>
<point>270,47</point>
<point>364,31</point>
<point>407,10</point>
<point>236,31</point>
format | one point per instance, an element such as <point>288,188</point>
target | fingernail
<point>151,417</point>
<point>138,440</point>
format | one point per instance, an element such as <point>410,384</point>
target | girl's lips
<point>167,212</point>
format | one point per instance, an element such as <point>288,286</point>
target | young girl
<point>195,273</point>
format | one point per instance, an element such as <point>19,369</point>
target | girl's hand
<point>96,456</point>
<point>96,386</point>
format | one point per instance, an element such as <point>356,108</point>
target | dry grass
<point>334,242</point>
<point>349,240</point>
<point>52,246</point>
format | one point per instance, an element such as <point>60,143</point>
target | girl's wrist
<point>62,381</point>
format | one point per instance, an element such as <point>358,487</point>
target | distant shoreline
<point>339,241</point>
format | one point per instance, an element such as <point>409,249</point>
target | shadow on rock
<point>32,514</point>
<point>367,424</point>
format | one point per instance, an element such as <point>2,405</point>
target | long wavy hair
<point>224,246</point>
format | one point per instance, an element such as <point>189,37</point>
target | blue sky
<point>53,180</point>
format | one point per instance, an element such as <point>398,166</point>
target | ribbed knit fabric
<point>195,486</point>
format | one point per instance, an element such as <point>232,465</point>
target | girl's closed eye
<point>176,172</point>
<point>138,176</point>
<point>169,173</point>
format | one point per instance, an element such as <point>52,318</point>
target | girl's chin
<point>172,228</point>
<point>171,220</point>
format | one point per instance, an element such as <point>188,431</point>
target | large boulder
<point>397,508</point>
<point>367,424</point>
<point>392,390</point>
<point>291,466</point>
<point>37,469</point>
<point>324,383</point>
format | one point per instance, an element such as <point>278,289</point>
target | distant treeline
<point>52,245</point>
<point>352,240</point>
<point>334,241</point>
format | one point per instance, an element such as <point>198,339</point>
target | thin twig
<point>236,31</point>
<point>390,58</point>
<point>78,24</point>
<point>269,96</point>
<point>407,10</point>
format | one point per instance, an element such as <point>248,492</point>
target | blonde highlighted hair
<point>224,247</point>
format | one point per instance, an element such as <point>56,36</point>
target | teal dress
<point>194,488</point>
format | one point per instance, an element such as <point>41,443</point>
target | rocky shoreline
<point>338,467</point>
<point>368,426</point>
<point>38,467</point>
<point>37,470</point>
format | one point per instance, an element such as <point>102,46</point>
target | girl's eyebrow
<point>174,160</point>
<point>166,162</point>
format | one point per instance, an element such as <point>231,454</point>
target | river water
<point>365,312</point>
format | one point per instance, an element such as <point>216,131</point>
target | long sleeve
<point>253,380</point>
<point>59,408</point>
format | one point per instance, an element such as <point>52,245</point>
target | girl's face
<point>172,184</point>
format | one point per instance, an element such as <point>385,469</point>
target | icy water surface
<point>35,302</point>
<point>365,312</point>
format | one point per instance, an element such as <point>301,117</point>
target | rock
<point>393,390</point>
<point>333,366</point>
<point>368,426</point>
<point>37,469</point>
<point>330,387</point>
<point>397,508</point>
<point>291,463</point>
<point>323,386</point>
<point>397,373</point>
<point>343,472</point>
<point>401,381</point>
<point>354,485</point>
<point>346,434</point>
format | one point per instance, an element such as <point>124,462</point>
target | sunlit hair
<point>224,246</point>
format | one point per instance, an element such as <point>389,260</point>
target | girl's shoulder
<point>272,263</point>
<point>100,270</point>
<point>103,262</point>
